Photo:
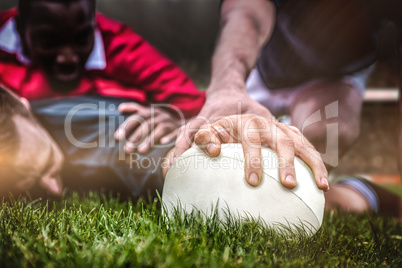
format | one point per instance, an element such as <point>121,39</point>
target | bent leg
<point>328,114</point>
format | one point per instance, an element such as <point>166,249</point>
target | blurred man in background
<point>54,48</point>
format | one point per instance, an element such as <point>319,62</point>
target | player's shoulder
<point>116,35</point>
<point>108,25</point>
<point>6,15</point>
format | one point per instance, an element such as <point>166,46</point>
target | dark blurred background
<point>186,30</point>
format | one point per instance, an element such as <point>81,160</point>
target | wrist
<point>229,75</point>
<point>224,91</point>
<point>231,83</point>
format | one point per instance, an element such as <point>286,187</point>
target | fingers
<point>165,130</point>
<point>257,131</point>
<point>313,159</point>
<point>155,136</point>
<point>186,135</point>
<point>208,141</point>
<point>145,127</point>
<point>210,137</point>
<point>129,126</point>
<point>52,184</point>
<point>138,138</point>
<point>278,140</point>
<point>254,131</point>
<point>130,107</point>
<point>183,142</point>
<point>150,133</point>
<point>306,151</point>
<point>170,137</point>
<point>286,158</point>
<point>143,137</point>
<point>139,115</point>
<point>252,159</point>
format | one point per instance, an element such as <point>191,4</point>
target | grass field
<point>99,231</point>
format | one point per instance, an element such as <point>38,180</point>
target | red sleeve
<point>6,15</point>
<point>133,60</point>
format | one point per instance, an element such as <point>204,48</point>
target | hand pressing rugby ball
<point>199,182</point>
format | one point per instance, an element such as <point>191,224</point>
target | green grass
<point>97,231</point>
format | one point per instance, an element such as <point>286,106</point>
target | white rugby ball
<point>197,182</point>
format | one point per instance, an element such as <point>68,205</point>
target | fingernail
<point>119,134</point>
<point>290,179</point>
<point>164,140</point>
<point>253,179</point>
<point>324,181</point>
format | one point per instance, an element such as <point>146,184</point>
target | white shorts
<point>278,101</point>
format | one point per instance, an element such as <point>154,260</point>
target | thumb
<point>53,185</point>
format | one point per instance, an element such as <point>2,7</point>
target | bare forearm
<point>245,27</point>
